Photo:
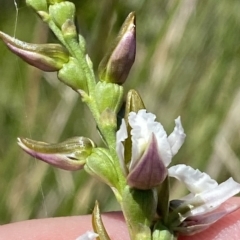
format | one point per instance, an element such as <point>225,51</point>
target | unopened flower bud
<point>69,155</point>
<point>117,63</point>
<point>47,57</point>
<point>61,12</point>
<point>73,75</point>
<point>109,95</point>
<point>37,5</point>
<point>100,165</point>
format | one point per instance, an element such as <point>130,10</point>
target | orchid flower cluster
<point>137,154</point>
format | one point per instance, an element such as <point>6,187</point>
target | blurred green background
<point>187,63</point>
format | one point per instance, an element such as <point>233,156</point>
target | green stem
<point>109,134</point>
<point>75,50</point>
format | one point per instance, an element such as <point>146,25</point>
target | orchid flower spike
<point>151,149</point>
<point>206,203</point>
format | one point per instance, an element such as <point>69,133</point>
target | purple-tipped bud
<point>68,155</point>
<point>47,57</point>
<point>149,171</point>
<point>117,63</point>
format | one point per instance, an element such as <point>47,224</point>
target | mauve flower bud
<point>68,155</point>
<point>47,57</point>
<point>117,63</point>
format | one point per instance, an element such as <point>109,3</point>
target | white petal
<point>206,195</point>
<point>89,235</point>
<point>195,181</point>
<point>122,132</point>
<point>143,125</point>
<point>177,137</point>
<point>121,137</point>
<point>215,197</point>
<point>210,200</point>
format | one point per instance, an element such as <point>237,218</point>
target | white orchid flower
<point>151,149</point>
<point>207,201</point>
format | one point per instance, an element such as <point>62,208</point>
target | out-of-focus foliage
<point>187,63</point>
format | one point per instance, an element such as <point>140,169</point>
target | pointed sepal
<point>97,223</point>
<point>149,171</point>
<point>134,103</point>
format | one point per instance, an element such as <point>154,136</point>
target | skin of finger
<point>62,228</point>
<point>65,228</point>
